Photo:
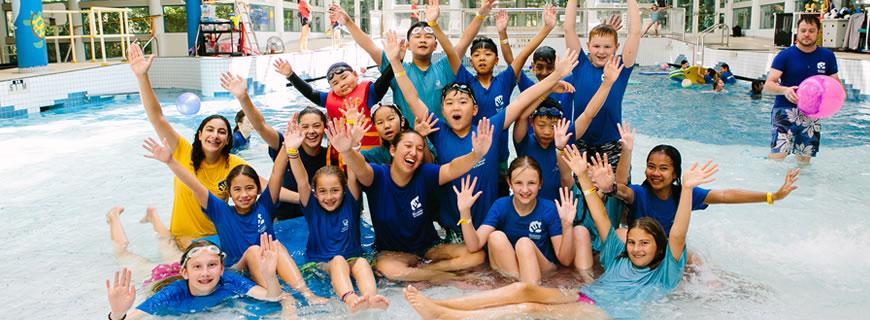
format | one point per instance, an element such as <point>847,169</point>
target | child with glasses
<point>347,94</point>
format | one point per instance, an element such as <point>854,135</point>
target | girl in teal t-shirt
<point>645,267</point>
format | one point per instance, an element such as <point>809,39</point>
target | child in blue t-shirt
<point>334,227</point>
<point>389,121</point>
<point>521,229</point>
<point>401,203</point>
<point>454,138</point>
<point>201,284</point>
<point>726,75</point>
<point>240,226</point>
<point>241,133</point>
<point>644,267</point>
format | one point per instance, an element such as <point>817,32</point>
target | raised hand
<point>357,128</point>
<point>627,134</point>
<point>268,254</point>
<point>121,293</point>
<point>336,13</point>
<point>567,205</point>
<point>465,196</point>
<point>486,7</point>
<point>236,85</point>
<point>501,21</point>
<point>283,67</point>
<point>138,63</point>
<point>566,65</point>
<point>293,136</point>
<point>696,176</point>
<point>561,134</point>
<point>790,178</point>
<point>433,10</point>
<point>615,21</point>
<point>563,87</point>
<point>394,49</point>
<point>426,126</point>
<point>157,151</point>
<point>549,16</point>
<point>575,160</point>
<point>612,69</point>
<point>351,108</point>
<point>601,173</point>
<point>338,135</point>
<point>482,139</point>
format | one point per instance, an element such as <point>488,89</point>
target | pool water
<point>804,257</point>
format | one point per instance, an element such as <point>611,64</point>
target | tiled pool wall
<point>95,86</point>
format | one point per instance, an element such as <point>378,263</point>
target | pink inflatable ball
<point>686,83</point>
<point>663,67</point>
<point>820,96</point>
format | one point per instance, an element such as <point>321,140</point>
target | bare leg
<point>365,280</point>
<point>583,253</point>
<point>803,160</point>
<point>119,243</point>
<point>339,274</point>
<point>165,244</point>
<point>646,29</point>
<point>288,307</point>
<point>400,266</point>
<point>531,261</point>
<point>501,253</point>
<point>452,257</point>
<point>777,156</point>
<point>514,293</point>
<point>303,38</point>
<point>289,272</point>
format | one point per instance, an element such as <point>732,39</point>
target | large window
<point>262,17</point>
<point>767,14</point>
<point>10,27</point>
<point>174,19</point>
<point>317,21</point>
<point>292,23</point>
<point>743,18</point>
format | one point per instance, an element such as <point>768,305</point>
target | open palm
<point>138,63</point>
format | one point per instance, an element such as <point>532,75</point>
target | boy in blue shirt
<point>793,132</point>
<point>726,75</point>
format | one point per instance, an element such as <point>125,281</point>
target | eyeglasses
<point>213,249</point>
<point>424,30</point>
<point>547,111</point>
<point>338,70</point>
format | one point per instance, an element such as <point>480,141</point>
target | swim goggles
<point>336,71</point>
<point>424,30</point>
<point>213,249</point>
<point>461,87</point>
<point>547,111</point>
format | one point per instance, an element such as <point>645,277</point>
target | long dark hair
<point>651,226</point>
<point>197,155</point>
<point>676,162</point>
<point>240,116</point>
<point>403,122</point>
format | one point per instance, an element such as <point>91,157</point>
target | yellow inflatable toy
<point>694,74</point>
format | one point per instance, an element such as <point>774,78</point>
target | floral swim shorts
<point>792,132</point>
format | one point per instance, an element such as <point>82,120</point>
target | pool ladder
<point>699,44</point>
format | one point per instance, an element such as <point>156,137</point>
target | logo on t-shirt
<point>535,230</point>
<point>416,207</point>
<point>821,67</point>
<point>480,163</point>
<point>261,223</point>
<point>222,186</point>
<point>345,225</point>
<point>499,103</point>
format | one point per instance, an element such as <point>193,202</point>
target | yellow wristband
<point>400,74</point>
<point>462,221</point>
<point>770,198</point>
<point>349,122</point>
<point>432,23</point>
<point>481,17</point>
<point>292,152</point>
<point>503,41</point>
<point>590,191</point>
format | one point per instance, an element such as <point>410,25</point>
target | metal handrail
<point>726,39</point>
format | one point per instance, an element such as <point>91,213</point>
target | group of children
<point>567,184</point>
<point>698,75</point>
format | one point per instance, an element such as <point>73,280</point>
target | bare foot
<point>150,215</point>
<point>113,214</point>
<point>355,303</point>
<point>314,299</point>
<point>288,307</point>
<point>426,308</point>
<point>378,302</point>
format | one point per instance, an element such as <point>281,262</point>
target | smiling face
<point>542,69</point>
<point>459,109</point>
<point>641,247</point>
<point>202,273</point>
<point>525,182</point>
<point>601,48</point>
<point>243,191</point>
<point>422,43</point>
<point>329,191</point>
<point>343,83</point>
<point>387,122</point>
<point>483,60</point>
<point>407,153</point>
<point>659,171</point>
<point>213,135</point>
<point>312,127</point>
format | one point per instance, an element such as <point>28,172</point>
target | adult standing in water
<point>792,132</point>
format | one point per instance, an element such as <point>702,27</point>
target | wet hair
<point>484,43</point>
<point>159,285</point>
<point>810,19</point>
<point>725,65</point>
<point>245,170</point>
<point>604,30</point>
<point>550,103</point>
<point>757,87</point>
<point>524,162</point>
<point>711,72</point>
<point>416,25</point>
<point>651,226</point>
<point>545,54</point>
<point>329,171</point>
<point>240,116</point>
<point>197,155</point>
<point>684,62</point>
<point>676,162</point>
<point>312,110</point>
<point>403,122</point>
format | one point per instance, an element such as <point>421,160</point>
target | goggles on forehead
<point>339,70</point>
<point>213,249</point>
<point>547,111</point>
<point>424,30</point>
<point>461,87</point>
